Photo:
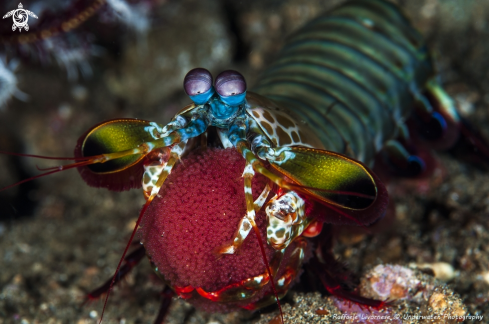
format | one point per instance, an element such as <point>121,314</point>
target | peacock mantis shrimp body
<point>354,76</point>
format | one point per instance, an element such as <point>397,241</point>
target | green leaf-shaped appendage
<point>328,176</point>
<point>115,136</point>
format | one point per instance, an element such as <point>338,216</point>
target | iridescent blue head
<point>231,87</point>
<point>198,85</point>
<point>224,106</point>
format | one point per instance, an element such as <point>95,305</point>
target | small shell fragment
<point>441,270</point>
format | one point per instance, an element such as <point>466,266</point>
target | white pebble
<point>442,270</point>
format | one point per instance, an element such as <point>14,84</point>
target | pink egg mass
<point>197,211</point>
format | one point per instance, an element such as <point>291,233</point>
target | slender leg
<point>237,136</point>
<point>260,201</point>
<point>327,268</point>
<point>333,286</point>
<point>245,225</point>
<point>166,299</point>
<point>157,131</point>
<point>157,170</point>
<point>292,268</point>
<point>130,262</point>
<point>247,288</point>
<point>165,171</point>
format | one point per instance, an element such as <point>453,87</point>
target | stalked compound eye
<point>231,87</point>
<point>198,85</point>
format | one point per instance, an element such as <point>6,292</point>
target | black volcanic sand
<point>59,238</point>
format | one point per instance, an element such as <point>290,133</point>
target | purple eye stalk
<point>231,87</point>
<point>198,85</point>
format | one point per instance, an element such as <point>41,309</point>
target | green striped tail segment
<point>353,74</point>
